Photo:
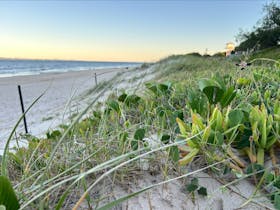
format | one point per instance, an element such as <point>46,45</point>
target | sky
<point>121,30</point>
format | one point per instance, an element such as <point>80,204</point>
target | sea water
<point>18,67</point>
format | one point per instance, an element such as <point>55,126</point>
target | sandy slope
<point>65,86</point>
<point>57,104</point>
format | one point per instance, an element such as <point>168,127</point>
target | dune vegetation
<point>201,111</point>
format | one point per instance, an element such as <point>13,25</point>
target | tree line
<point>265,34</point>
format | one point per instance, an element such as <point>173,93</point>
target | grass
<point>272,53</point>
<point>201,109</point>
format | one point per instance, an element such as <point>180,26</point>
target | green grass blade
<point>4,157</point>
<point>8,197</point>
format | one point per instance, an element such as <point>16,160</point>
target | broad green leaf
<point>192,187</point>
<point>243,139</point>
<point>152,87</point>
<point>7,195</point>
<point>194,181</point>
<point>114,105</point>
<point>212,89</point>
<point>122,97</point>
<point>163,87</point>
<point>132,100</point>
<point>159,89</point>
<point>202,191</point>
<point>139,134</point>
<point>179,114</point>
<point>165,138</point>
<point>54,134</point>
<point>228,96</point>
<point>235,117</point>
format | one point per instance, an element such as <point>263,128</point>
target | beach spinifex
<point>213,136</point>
<point>261,125</point>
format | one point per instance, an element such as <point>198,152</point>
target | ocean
<point>18,67</point>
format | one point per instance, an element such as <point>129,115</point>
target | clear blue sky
<point>121,30</point>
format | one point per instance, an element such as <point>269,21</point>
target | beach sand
<point>57,104</point>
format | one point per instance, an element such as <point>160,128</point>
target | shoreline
<point>56,106</point>
<point>52,73</point>
<point>34,73</point>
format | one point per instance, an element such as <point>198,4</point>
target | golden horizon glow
<point>51,51</point>
<point>129,57</point>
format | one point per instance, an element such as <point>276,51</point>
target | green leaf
<point>192,187</point>
<point>179,114</point>
<point>134,144</point>
<point>197,101</point>
<point>7,195</point>
<point>165,138</point>
<point>152,87</point>
<point>219,138</point>
<point>212,89</point>
<point>202,191</point>
<point>243,139</point>
<point>132,100</point>
<point>114,105</point>
<point>164,87</point>
<point>54,134</point>
<point>228,96</point>
<point>160,111</point>
<point>139,134</point>
<point>122,97</point>
<point>235,117</point>
<point>277,182</point>
<point>174,153</point>
<point>194,181</point>
<point>277,201</point>
<point>159,89</point>
<point>254,168</point>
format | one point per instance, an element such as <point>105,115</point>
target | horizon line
<point>57,59</point>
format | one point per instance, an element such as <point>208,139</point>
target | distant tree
<point>266,33</point>
<point>272,18</point>
<point>194,54</point>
